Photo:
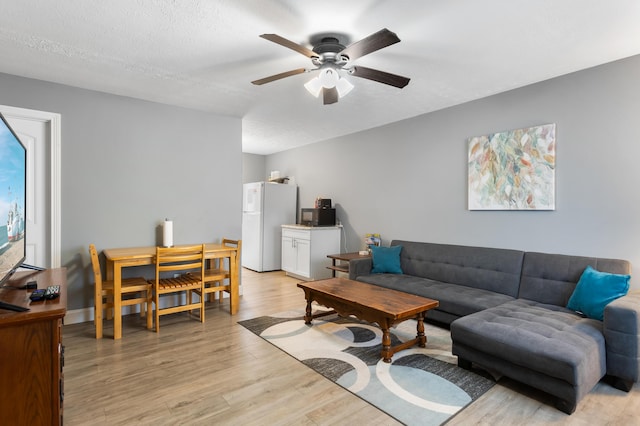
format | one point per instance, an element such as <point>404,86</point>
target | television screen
<point>13,168</point>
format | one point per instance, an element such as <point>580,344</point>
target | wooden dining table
<point>119,258</point>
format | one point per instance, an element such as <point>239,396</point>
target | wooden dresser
<point>31,352</point>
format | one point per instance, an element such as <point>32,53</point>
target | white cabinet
<point>296,252</point>
<point>305,250</point>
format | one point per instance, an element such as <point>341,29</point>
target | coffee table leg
<point>420,337</point>
<point>308,317</point>
<point>387,353</point>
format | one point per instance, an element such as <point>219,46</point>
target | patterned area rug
<point>422,386</point>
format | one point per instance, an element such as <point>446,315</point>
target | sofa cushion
<point>386,260</point>
<point>548,339</point>
<point>595,290</point>
<point>492,269</point>
<point>551,278</point>
<point>454,299</point>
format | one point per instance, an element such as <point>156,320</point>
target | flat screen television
<point>13,187</point>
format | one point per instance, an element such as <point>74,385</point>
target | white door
<point>288,255</point>
<point>252,241</point>
<point>40,133</point>
<point>252,226</point>
<point>303,257</point>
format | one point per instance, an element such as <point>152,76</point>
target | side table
<point>343,257</point>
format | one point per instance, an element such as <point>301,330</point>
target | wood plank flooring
<point>218,372</point>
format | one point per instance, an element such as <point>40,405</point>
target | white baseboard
<point>77,316</point>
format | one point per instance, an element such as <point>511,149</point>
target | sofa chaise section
<point>545,346</point>
<point>536,340</point>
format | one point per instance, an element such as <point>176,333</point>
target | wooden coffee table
<point>369,303</point>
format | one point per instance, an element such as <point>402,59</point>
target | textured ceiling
<point>203,54</point>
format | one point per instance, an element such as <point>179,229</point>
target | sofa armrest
<point>359,267</point>
<point>621,328</point>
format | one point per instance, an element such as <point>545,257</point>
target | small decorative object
<point>372,240</point>
<point>513,170</point>
<point>167,233</point>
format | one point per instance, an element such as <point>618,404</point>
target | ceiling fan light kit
<point>328,78</point>
<point>332,58</point>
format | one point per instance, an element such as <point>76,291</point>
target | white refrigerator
<point>265,207</point>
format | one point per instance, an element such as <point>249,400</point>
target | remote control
<point>52,292</point>
<point>37,294</point>
<point>12,307</point>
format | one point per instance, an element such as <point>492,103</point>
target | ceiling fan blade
<point>291,45</point>
<point>375,41</point>
<point>329,96</point>
<point>279,76</point>
<point>380,76</point>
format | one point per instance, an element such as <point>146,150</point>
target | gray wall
<point>127,164</point>
<point>408,180</point>
<point>253,168</point>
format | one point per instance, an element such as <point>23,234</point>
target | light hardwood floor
<point>218,372</point>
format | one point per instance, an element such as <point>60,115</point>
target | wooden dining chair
<point>134,291</point>
<point>178,263</point>
<point>217,277</point>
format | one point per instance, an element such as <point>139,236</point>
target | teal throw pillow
<point>595,290</point>
<point>386,260</point>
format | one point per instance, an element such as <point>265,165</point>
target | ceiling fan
<point>330,57</point>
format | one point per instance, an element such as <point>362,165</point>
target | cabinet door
<point>303,257</point>
<point>288,255</point>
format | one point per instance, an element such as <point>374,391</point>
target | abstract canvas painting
<point>513,170</point>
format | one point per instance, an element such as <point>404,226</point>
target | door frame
<point>54,121</point>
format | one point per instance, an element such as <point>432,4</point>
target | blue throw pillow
<point>595,290</point>
<point>386,260</point>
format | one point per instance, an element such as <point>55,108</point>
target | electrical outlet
<point>176,275</point>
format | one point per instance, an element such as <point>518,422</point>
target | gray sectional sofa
<point>507,313</point>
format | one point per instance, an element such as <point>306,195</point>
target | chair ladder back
<point>95,264</point>
<point>232,243</point>
<point>179,258</point>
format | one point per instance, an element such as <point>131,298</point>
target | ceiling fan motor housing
<point>328,51</point>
